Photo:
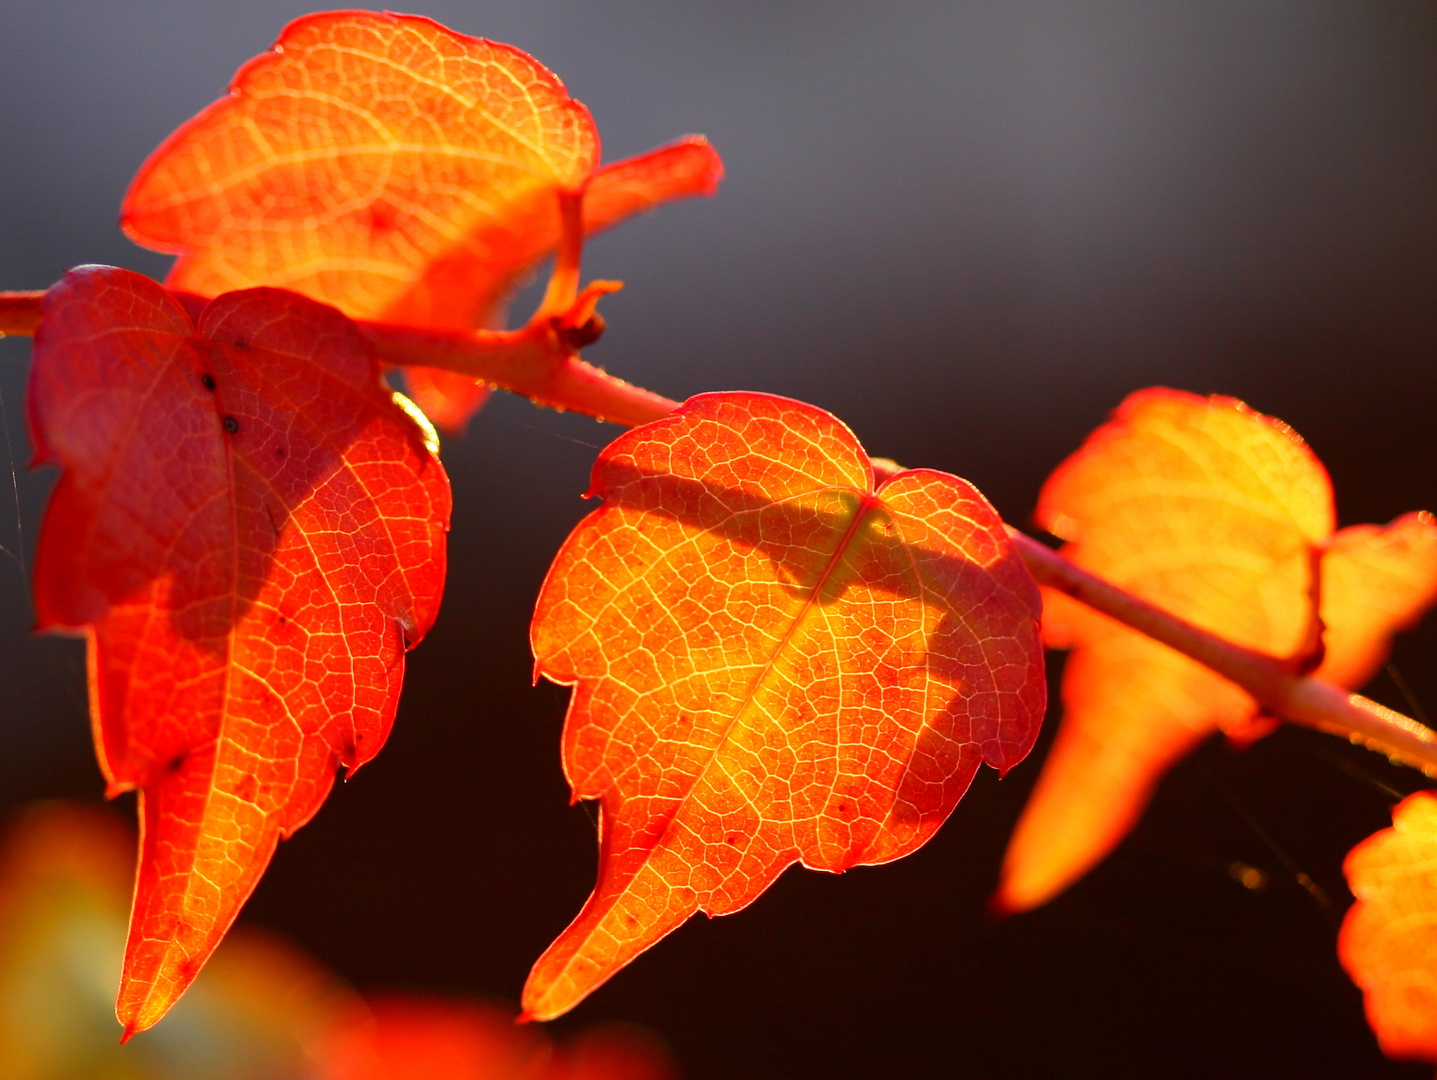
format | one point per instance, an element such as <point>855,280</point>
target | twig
<point>20,312</point>
<point>541,362</point>
<point>1272,682</point>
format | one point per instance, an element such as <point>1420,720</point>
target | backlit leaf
<point>772,662</point>
<point>250,530</point>
<point>378,162</point>
<point>1219,515</point>
<point>1388,942</point>
<point>395,169</point>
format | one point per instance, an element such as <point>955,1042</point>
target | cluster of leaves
<point>781,649</point>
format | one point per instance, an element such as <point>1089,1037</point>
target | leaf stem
<point>1275,684</point>
<point>564,279</point>
<point>539,361</point>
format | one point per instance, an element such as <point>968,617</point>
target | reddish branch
<point>20,313</point>
<point>541,361</point>
<point>1275,684</point>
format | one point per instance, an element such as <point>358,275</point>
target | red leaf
<point>1219,515</point>
<point>1388,942</point>
<point>393,168</point>
<point>772,662</point>
<point>251,532</point>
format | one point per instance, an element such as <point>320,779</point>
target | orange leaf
<point>250,530</point>
<point>378,162</point>
<point>772,662</point>
<point>1219,515</point>
<point>1388,942</point>
<point>393,168</point>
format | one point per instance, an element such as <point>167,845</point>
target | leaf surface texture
<point>1388,942</point>
<point>772,662</point>
<point>250,531</point>
<point>395,169</point>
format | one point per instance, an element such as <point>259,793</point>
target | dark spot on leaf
<point>241,343</point>
<point>732,838</point>
<point>176,763</point>
<point>279,451</point>
<point>247,788</point>
<point>207,381</point>
<point>231,425</point>
<point>382,217</point>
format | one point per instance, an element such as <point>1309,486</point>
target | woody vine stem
<point>541,361</point>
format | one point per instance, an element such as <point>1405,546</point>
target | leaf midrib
<point>868,504</point>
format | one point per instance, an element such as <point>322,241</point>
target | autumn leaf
<point>250,531</point>
<point>395,169</point>
<point>1223,517</point>
<point>772,662</point>
<point>378,162</point>
<point>1388,942</point>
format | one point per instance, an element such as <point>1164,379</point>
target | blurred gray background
<point>968,229</point>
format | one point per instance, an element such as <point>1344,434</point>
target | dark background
<point>968,229</point>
